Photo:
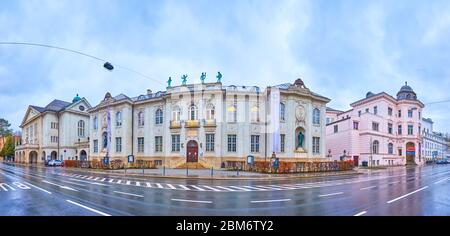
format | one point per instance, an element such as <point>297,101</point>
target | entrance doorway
<point>54,155</point>
<point>192,151</point>
<point>33,157</point>
<point>83,155</point>
<point>356,160</point>
<point>410,154</point>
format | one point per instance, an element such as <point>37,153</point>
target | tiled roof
<point>39,109</point>
<point>57,105</point>
<point>148,96</point>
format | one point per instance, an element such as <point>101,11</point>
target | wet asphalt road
<point>26,190</point>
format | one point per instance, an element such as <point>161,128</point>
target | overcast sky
<point>341,49</point>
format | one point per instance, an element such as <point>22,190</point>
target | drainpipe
<point>57,115</point>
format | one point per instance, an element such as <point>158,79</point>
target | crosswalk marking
<point>184,187</point>
<point>148,185</point>
<point>111,180</point>
<point>90,177</point>
<point>272,188</point>
<point>120,181</point>
<point>103,179</point>
<point>159,186</point>
<point>228,189</point>
<point>239,188</point>
<point>251,187</point>
<point>97,178</point>
<point>198,188</point>
<point>171,186</point>
<point>128,182</point>
<point>213,189</point>
<point>138,184</point>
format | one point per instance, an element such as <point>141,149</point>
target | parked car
<point>55,163</point>
<point>442,162</point>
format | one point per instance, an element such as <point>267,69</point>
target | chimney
<point>149,91</point>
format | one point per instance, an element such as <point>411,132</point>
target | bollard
<point>187,171</point>
<point>212,171</point>
<point>164,170</point>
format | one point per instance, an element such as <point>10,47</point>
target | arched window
<point>159,116</point>
<point>81,128</point>
<point>95,121</point>
<point>141,118</point>
<point>316,116</point>
<point>210,112</point>
<point>282,112</point>
<point>119,119</point>
<point>375,147</point>
<point>193,112</point>
<point>232,113</point>
<point>176,113</point>
<point>254,114</point>
<point>390,148</point>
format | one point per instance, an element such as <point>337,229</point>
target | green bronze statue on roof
<point>184,79</point>
<point>203,77</point>
<point>169,82</point>
<point>219,77</point>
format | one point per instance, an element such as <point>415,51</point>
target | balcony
<point>175,124</point>
<point>209,123</point>
<point>192,124</point>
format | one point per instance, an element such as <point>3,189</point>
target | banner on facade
<point>275,118</point>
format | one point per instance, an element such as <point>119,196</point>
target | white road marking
<point>149,185</point>
<point>120,181</point>
<point>88,208</point>
<point>97,178</point>
<point>91,177</point>
<point>111,180</point>
<point>441,180</point>
<point>159,186</point>
<point>39,188</point>
<point>100,184</point>
<point>131,194</point>
<point>251,187</point>
<point>420,189</point>
<point>171,186</point>
<point>138,183</point>
<point>368,187</point>
<point>185,200</point>
<point>103,180</point>
<point>361,213</point>
<point>331,194</point>
<point>128,182</point>
<point>184,187</point>
<point>239,188</point>
<point>84,177</point>
<point>228,189</point>
<point>61,186</point>
<point>275,200</point>
<point>198,188</point>
<point>213,189</point>
<point>395,182</point>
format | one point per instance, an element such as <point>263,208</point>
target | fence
<point>292,167</point>
<point>114,164</point>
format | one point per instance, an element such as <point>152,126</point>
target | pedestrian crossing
<point>206,188</point>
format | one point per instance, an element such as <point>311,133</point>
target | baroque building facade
<point>59,130</point>
<point>434,144</point>
<point>378,130</point>
<point>210,124</point>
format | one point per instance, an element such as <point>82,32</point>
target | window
<point>282,112</point>
<point>95,121</point>
<point>390,148</point>
<point>119,119</point>
<point>176,143</point>
<point>410,113</point>
<point>389,128</point>
<point>336,128</point>
<point>95,146</point>
<point>410,129</point>
<point>316,116</point>
<point>118,144</point>
<point>375,147</point>
<point>375,126</point>
<point>210,112</point>
<point>367,110</point>
<point>158,144</point>
<point>54,139</point>
<point>232,143</point>
<point>355,125</point>
<point>316,145</point>
<point>399,151</point>
<point>254,114</point>
<point>375,110</point>
<point>282,142</point>
<point>399,113</point>
<point>209,142</point>
<point>232,113</point>
<point>420,115</point>
<point>81,128</point>
<point>54,125</point>
<point>359,113</point>
<point>176,113</point>
<point>193,112</point>
<point>140,145</point>
<point>254,143</point>
<point>399,130</point>
<point>328,120</point>
<point>159,116</point>
<point>389,111</point>
<point>141,118</point>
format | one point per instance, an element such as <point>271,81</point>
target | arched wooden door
<point>192,151</point>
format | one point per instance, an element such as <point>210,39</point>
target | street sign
<point>276,163</point>
<point>105,160</point>
<point>131,158</point>
<point>250,159</point>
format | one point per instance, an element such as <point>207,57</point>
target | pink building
<point>378,130</point>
